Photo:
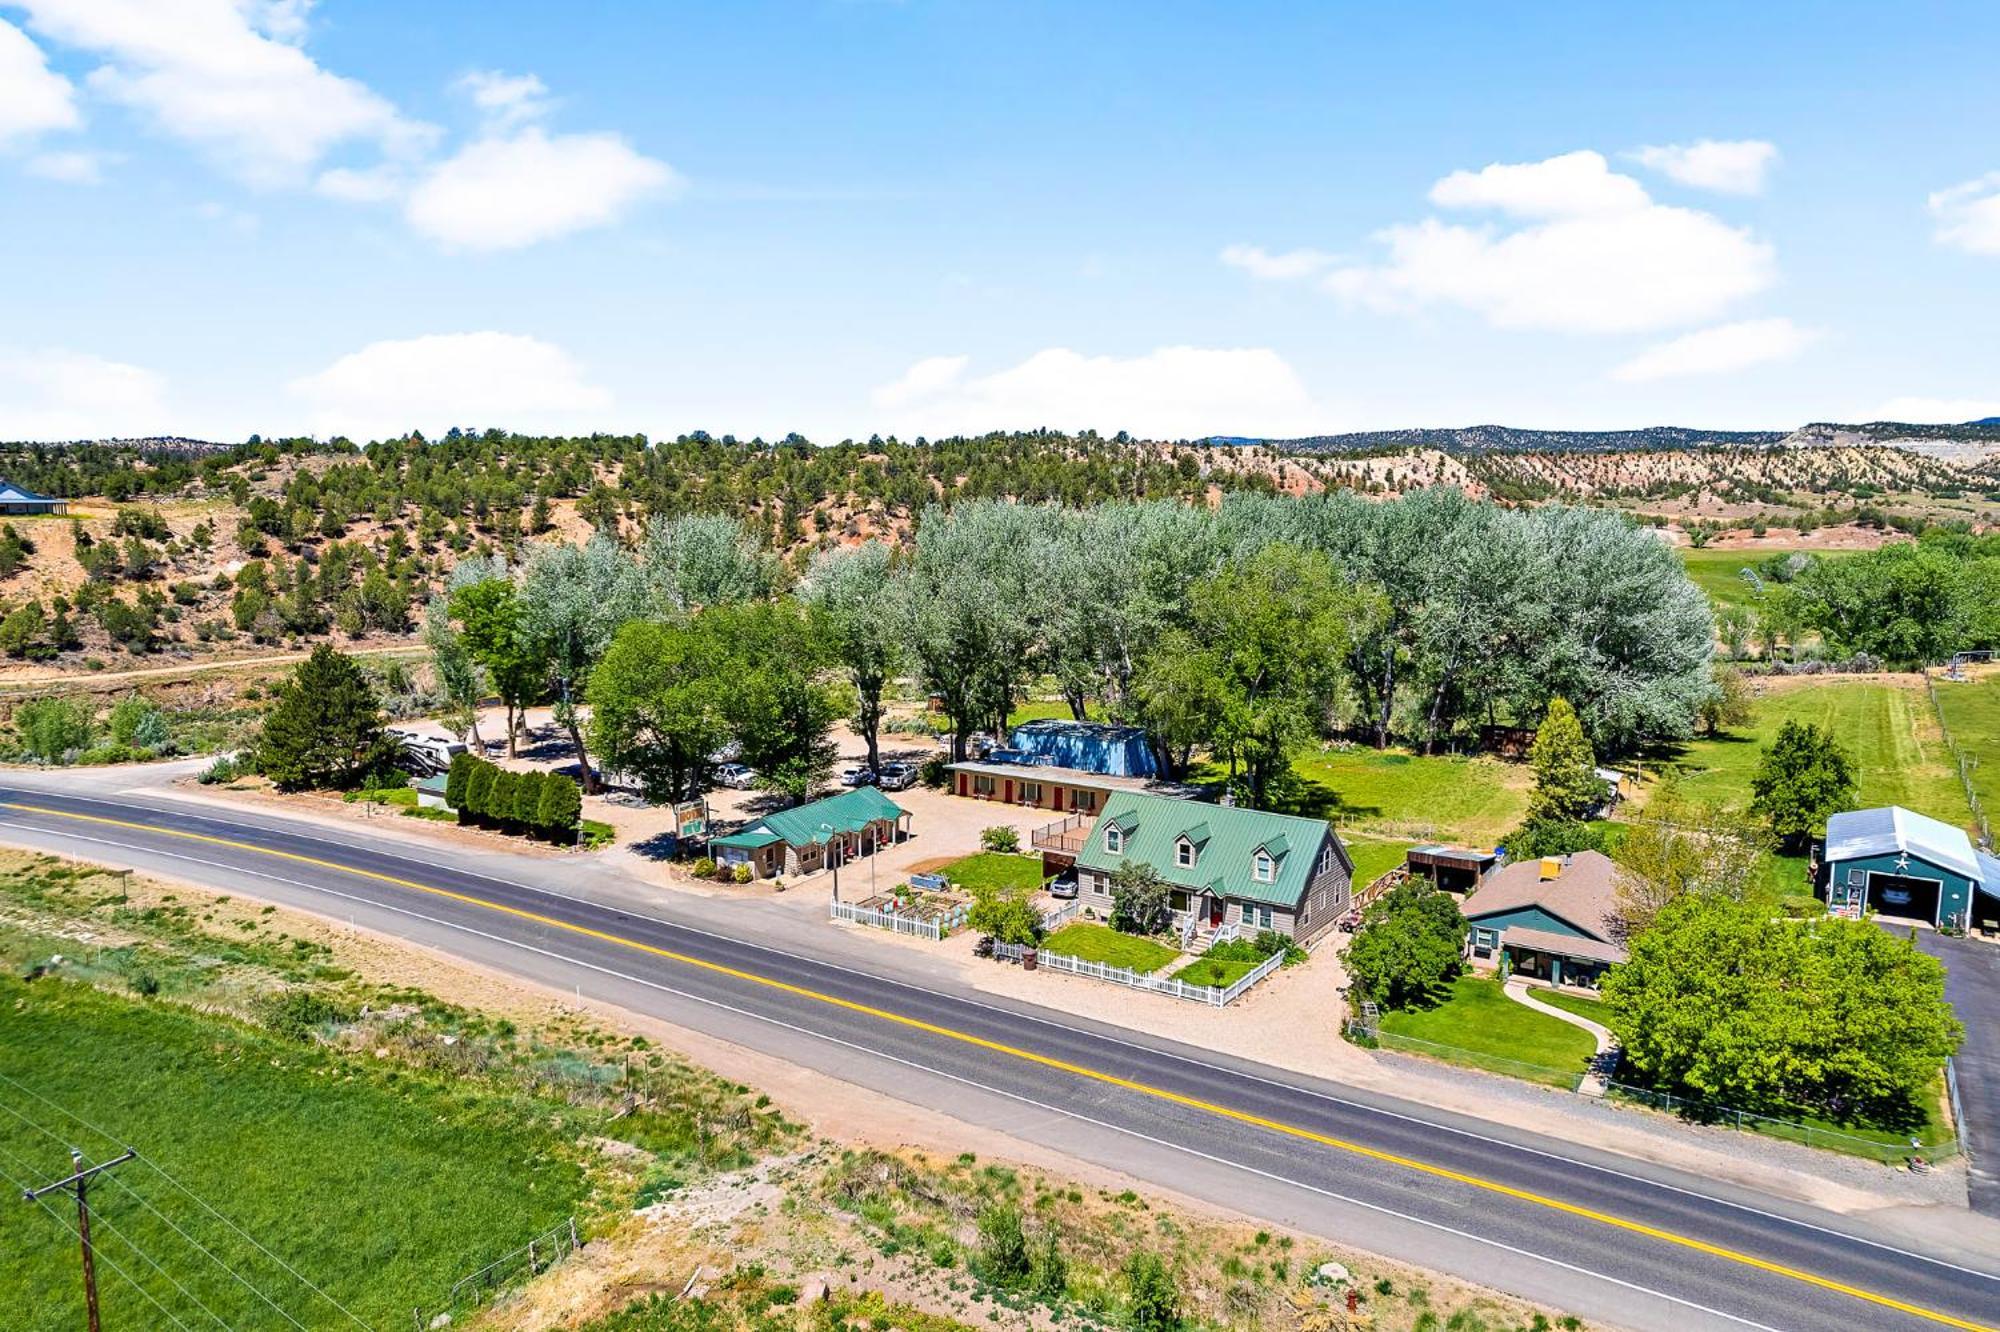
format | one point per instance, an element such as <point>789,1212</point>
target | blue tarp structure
<point>1112,751</point>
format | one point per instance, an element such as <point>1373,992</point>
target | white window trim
<point>1114,839</point>
<point>1263,867</point>
<point>1184,855</point>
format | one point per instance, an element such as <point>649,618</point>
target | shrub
<point>1000,838</point>
<point>595,833</point>
<point>1005,914</point>
<point>1801,905</point>
<point>226,768</point>
<point>1409,947</point>
<point>1003,1245</point>
<point>500,800</point>
<point>298,1014</point>
<point>128,715</point>
<point>1553,837</point>
<point>528,799</point>
<point>561,807</point>
<point>1154,1298</point>
<point>53,730</point>
<point>1141,901</point>
<point>740,874</point>
<point>703,868</point>
<point>457,776</point>
<point>479,788</point>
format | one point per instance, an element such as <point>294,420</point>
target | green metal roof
<point>1226,839</point>
<point>747,841</point>
<point>850,811</point>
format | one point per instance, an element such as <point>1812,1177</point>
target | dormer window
<point>1184,853</point>
<point>1263,869</point>
<point>1114,838</point>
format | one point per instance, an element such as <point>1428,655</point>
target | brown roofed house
<point>1551,919</point>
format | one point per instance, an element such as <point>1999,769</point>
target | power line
<point>196,1198</point>
<point>109,1261</point>
<point>132,1244</point>
<point>242,1280</point>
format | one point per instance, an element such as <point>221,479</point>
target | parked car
<point>897,776</point>
<point>1063,886</point>
<point>736,776</point>
<point>860,775</point>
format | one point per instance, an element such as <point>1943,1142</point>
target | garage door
<point>1900,895</point>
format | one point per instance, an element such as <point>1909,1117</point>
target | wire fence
<point>1880,1147</point>
<point>1966,763</point>
<point>538,1255</point>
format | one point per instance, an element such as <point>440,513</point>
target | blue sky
<point>226,216</point>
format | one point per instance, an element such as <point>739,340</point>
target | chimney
<point>1552,867</point>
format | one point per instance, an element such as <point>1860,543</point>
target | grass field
<point>996,869</point>
<point>1719,571</point>
<point>1101,943</point>
<point>1391,794</point>
<point>1481,1027</point>
<point>1887,727</point>
<point>381,1156</point>
<point>384,1189</point>
<point>1972,711</point>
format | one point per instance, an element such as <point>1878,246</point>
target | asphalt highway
<point>1602,1237</point>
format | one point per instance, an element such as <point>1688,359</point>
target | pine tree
<point>325,729</point>
<point>1567,786</point>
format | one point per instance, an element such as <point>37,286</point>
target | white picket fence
<point>1061,916</point>
<point>1212,995</point>
<point>933,929</point>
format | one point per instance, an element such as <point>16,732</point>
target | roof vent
<point>1552,867</point>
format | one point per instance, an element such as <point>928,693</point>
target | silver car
<point>736,776</point>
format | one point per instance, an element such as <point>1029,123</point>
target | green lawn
<point>1395,794</point>
<point>1373,859</point>
<point>1574,1003</point>
<point>1481,1027</point>
<point>384,1189</point>
<point>1887,728</point>
<point>1101,943</point>
<point>996,869</point>
<point>1214,971</point>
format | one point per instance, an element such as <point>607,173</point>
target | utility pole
<point>78,1183</point>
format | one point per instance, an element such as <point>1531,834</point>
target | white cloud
<point>226,75</point>
<point>33,98</point>
<point>376,184</point>
<point>1579,184</point>
<point>506,99</point>
<point>59,395</point>
<point>1173,392</point>
<point>1737,166</point>
<point>1936,411</point>
<point>71,168</point>
<point>1290,265</point>
<point>1969,215</point>
<point>1718,350</point>
<point>434,382</point>
<point>503,193</point>
<point>1597,255</point>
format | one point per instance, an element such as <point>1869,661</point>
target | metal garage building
<point>1897,862</point>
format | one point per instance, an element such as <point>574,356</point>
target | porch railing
<point>1064,837</point>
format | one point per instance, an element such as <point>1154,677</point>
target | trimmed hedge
<point>534,804</point>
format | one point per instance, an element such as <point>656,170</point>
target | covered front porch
<point>1556,959</point>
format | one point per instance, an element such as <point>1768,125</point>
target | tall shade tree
<point>1906,604</point>
<point>656,705</point>
<point>779,713</point>
<point>492,622</point>
<point>573,600</point>
<point>1803,777</point>
<point>854,599</point>
<point>966,619</point>
<point>324,728</point>
<point>1270,630</point>
<point>459,677</point>
<point>703,560</point>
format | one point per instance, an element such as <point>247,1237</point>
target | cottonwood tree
<point>854,598</point>
<point>493,623</point>
<point>965,601</point>
<point>573,600</point>
<point>779,714</point>
<point>695,561</point>
<point>458,676</point>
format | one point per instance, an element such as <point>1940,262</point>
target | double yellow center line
<point>1046,1061</point>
